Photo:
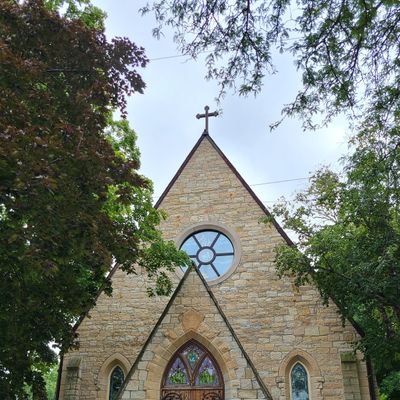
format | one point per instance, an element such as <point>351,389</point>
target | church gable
<point>257,330</point>
<point>274,321</point>
<point>206,171</point>
<point>193,318</point>
<point>207,193</point>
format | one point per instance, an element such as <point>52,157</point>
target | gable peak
<point>206,137</point>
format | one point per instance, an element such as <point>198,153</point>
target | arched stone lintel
<point>314,373</point>
<point>157,366</point>
<point>105,370</point>
<point>302,356</point>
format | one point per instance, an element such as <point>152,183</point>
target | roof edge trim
<point>181,168</point>
<point>151,335</point>
<point>129,375</point>
<point>235,172</point>
<point>260,382</point>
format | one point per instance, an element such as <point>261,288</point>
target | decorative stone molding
<point>103,379</point>
<point>191,320</point>
<point>348,356</point>
<point>218,226</point>
<point>316,380</point>
<point>74,362</point>
<point>157,365</point>
<point>304,357</point>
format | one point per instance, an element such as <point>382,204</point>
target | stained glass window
<point>299,382</point>
<point>211,251</point>
<point>192,354</point>
<point>193,367</point>
<point>207,375</point>
<point>116,380</point>
<point>177,374</point>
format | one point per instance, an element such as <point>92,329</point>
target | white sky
<point>164,116</point>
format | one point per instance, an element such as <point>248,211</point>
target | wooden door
<point>192,374</point>
<point>192,394</point>
<point>207,394</point>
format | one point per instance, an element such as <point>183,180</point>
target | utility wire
<point>285,180</point>
<point>179,56</point>
<point>262,183</point>
<point>168,57</point>
<point>188,55</point>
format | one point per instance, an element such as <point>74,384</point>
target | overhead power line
<point>284,180</point>
<point>168,57</point>
<point>179,56</point>
<point>188,55</point>
<point>264,183</point>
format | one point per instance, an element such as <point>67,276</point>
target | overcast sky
<point>164,116</point>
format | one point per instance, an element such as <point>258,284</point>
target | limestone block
<point>191,320</point>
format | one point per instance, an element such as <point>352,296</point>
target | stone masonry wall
<point>270,315</point>
<point>193,315</point>
<point>116,328</point>
<point>276,322</point>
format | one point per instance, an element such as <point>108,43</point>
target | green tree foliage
<point>50,377</point>
<point>51,382</point>
<point>348,230</point>
<point>390,386</point>
<point>83,10</point>
<point>72,204</point>
<point>347,51</point>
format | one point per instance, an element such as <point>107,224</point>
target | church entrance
<point>192,374</point>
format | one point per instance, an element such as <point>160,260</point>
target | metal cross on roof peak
<point>206,115</point>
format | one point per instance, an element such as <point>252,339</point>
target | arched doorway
<point>192,374</point>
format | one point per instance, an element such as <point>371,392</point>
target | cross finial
<point>206,115</point>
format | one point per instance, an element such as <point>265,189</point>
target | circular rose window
<point>211,251</point>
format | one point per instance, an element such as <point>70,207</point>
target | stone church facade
<point>232,329</point>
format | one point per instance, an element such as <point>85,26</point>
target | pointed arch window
<point>192,372</point>
<point>116,380</point>
<point>299,382</point>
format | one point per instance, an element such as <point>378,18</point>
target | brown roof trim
<point>370,370</point>
<point>152,333</point>
<point>236,173</point>
<point>260,382</point>
<point>181,168</point>
<point>58,385</point>
<point>371,380</point>
<point>100,291</point>
<point>76,326</point>
<point>251,192</point>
